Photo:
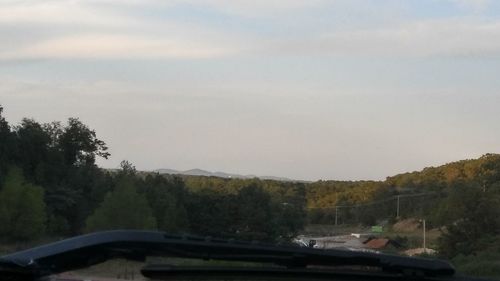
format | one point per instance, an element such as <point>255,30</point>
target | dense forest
<point>50,186</point>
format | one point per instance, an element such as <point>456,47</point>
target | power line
<point>337,208</point>
<point>395,197</point>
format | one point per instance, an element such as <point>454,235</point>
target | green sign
<point>377,229</point>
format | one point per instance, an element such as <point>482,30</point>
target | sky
<point>312,89</point>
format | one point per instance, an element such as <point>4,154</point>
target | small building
<point>382,244</point>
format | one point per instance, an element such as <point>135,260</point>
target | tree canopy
<point>22,209</point>
<point>123,208</point>
<point>50,185</point>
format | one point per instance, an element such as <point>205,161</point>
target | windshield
<point>361,126</point>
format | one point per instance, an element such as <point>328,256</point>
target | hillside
<point>325,194</point>
<point>50,186</point>
<point>200,172</point>
<point>424,193</point>
<point>484,171</point>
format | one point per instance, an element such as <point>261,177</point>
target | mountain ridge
<point>219,174</point>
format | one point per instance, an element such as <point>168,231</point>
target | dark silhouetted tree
<point>80,145</point>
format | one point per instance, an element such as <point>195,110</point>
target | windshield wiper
<point>86,250</point>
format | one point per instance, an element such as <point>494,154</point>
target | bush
<point>22,209</point>
<point>124,208</point>
<point>483,263</point>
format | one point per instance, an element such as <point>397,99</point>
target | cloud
<point>103,12</point>
<point>474,5</point>
<point>107,46</point>
<point>260,8</point>
<point>103,29</point>
<point>97,29</point>
<point>57,12</point>
<point>415,39</point>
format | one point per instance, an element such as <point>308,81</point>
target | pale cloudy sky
<point>312,89</point>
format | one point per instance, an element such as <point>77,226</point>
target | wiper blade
<point>86,250</point>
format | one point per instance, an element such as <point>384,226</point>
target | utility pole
<point>397,209</point>
<point>425,249</point>
<point>336,214</point>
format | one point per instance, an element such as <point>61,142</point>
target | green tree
<point>166,198</point>
<point>255,219</point>
<point>75,185</point>
<point>123,208</point>
<point>7,142</point>
<point>489,171</point>
<point>288,220</point>
<point>474,217</point>
<point>86,187</point>
<point>33,147</point>
<point>80,145</point>
<point>22,209</point>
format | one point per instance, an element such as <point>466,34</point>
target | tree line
<point>464,205</point>
<point>50,185</point>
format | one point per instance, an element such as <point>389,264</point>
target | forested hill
<point>50,186</point>
<point>484,171</point>
<point>425,193</point>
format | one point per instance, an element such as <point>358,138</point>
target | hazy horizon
<point>307,90</point>
<point>298,179</point>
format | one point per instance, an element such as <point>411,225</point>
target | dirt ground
<point>407,225</point>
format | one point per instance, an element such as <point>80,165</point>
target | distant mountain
<point>167,171</point>
<point>278,178</point>
<point>199,172</point>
